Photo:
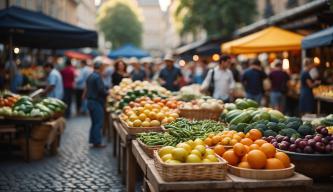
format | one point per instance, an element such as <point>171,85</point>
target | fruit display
<point>321,142</point>
<point>258,155</point>
<point>147,112</point>
<point>181,130</point>
<point>189,93</point>
<point>26,107</point>
<point>241,104</point>
<point>328,120</point>
<point>291,127</point>
<point>230,138</point>
<point>324,91</point>
<point>136,94</point>
<point>8,99</point>
<point>127,85</point>
<point>205,103</point>
<point>187,152</point>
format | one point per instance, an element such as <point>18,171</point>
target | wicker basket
<point>191,171</point>
<point>200,114</point>
<point>149,150</point>
<point>136,130</point>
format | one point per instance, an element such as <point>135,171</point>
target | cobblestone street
<point>75,168</point>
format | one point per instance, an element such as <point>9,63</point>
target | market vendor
<point>54,86</point>
<point>95,93</point>
<point>170,75</point>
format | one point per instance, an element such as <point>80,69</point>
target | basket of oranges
<point>255,158</point>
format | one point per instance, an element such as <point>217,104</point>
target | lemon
<point>137,123</point>
<point>186,146</point>
<point>165,150</point>
<point>145,124</point>
<point>155,123</point>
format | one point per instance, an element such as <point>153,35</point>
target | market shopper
<point>279,83</point>
<point>169,76</point>
<point>68,76</point>
<point>54,86</point>
<point>252,80</point>
<point>119,72</point>
<point>306,100</point>
<point>80,83</point>
<point>138,73</point>
<point>95,93</point>
<point>220,81</point>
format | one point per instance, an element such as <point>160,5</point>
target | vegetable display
<point>207,104</point>
<point>181,130</point>
<point>8,99</point>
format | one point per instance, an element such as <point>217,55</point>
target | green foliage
<point>220,17</point>
<point>120,23</point>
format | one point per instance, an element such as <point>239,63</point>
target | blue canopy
<point>35,29</point>
<point>321,38</point>
<point>128,51</point>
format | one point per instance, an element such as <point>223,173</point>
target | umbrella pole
<point>11,73</point>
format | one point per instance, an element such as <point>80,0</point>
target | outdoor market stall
<point>149,141</point>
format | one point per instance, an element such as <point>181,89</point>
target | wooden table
<point>154,183</point>
<point>322,99</point>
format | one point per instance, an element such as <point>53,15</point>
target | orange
<point>226,141</point>
<point>244,158</point>
<point>244,164</point>
<point>239,149</point>
<point>254,134</point>
<point>254,146</point>
<point>237,137</point>
<point>208,141</point>
<point>260,142</point>
<point>219,149</point>
<point>233,141</point>
<point>231,157</point>
<point>216,139</point>
<point>274,163</point>
<point>246,141</point>
<point>247,148</point>
<point>241,134</point>
<point>257,159</point>
<point>284,158</point>
<point>268,149</point>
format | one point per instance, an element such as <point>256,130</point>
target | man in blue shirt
<point>80,84</point>
<point>170,75</point>
<point>54,86</point>
<point>95,93</point>
<point>252,80</point>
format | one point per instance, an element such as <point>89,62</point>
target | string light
<point>195,58</point>
<point>285,64</point>
<point>216,57</point>
<point>16,50</point>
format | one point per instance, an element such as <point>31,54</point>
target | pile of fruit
<point>181,130</point>
<point>127,85</point>
<point>252,152</point>
<point>323,90</point>
<point>26,107</point>
<point>188,152</point>
<point>136,94</point>
<point>241,104</point>
<point>208,104</point>
<point>291,127</point>
<point>147,112</point>
<point>322,142</point>
<point>8,99</point>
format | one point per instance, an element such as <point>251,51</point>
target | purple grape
<point>276,144</point>
<point>286,139</point>
<point>302,144</point>
<point>320,147</point>
<point>328,148</point>
<point>318,129</point>
<point>298,141</point>
<point>273,141</point>
<point>279,138</point>
<point>292,147</point>
<point>270,137</point>
<point>292,140</point>
<point>283,146</point>
<point>311,142</point>
<point>309,136</point>
<point>299,150</point>
<point>324,131</point>
<point>317,138</point>
<point>325,140</point>
<point>286,143</point>
<point>308,149</point>
<point>331,142</point>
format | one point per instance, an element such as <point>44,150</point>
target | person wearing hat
<point>170,75</point>
<point>95,93</point>
<point>138,73</point>
<point>279,85</point>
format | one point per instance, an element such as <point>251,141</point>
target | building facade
<point>278,6</point>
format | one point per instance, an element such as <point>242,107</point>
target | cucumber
<point>242,118</point>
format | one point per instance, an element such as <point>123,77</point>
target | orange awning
<point>272,39</point>
<point>77,55</point>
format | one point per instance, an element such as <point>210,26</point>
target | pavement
<point>77,167</point>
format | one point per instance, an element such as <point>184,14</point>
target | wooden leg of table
<point>124,163</point>
<point>118,155</point>
<point>27,142</point>
<point>318,107</point>
<point>132,168</point>
<point>114,141</point>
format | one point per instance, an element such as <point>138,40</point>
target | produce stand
<point>321,99</point>
<point>154,182</point>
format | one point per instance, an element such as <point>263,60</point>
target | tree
<point>119,20</point>
<point>220,17</point>
<point>268,9</point>
<point>292,4</point>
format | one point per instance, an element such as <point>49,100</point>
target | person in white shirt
<point>223,83</point>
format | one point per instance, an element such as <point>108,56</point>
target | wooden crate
<point>200,114</point>
<point>136,130</point>
<point>149,150</point>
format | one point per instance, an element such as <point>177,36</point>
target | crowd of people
<point>89,82</point>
